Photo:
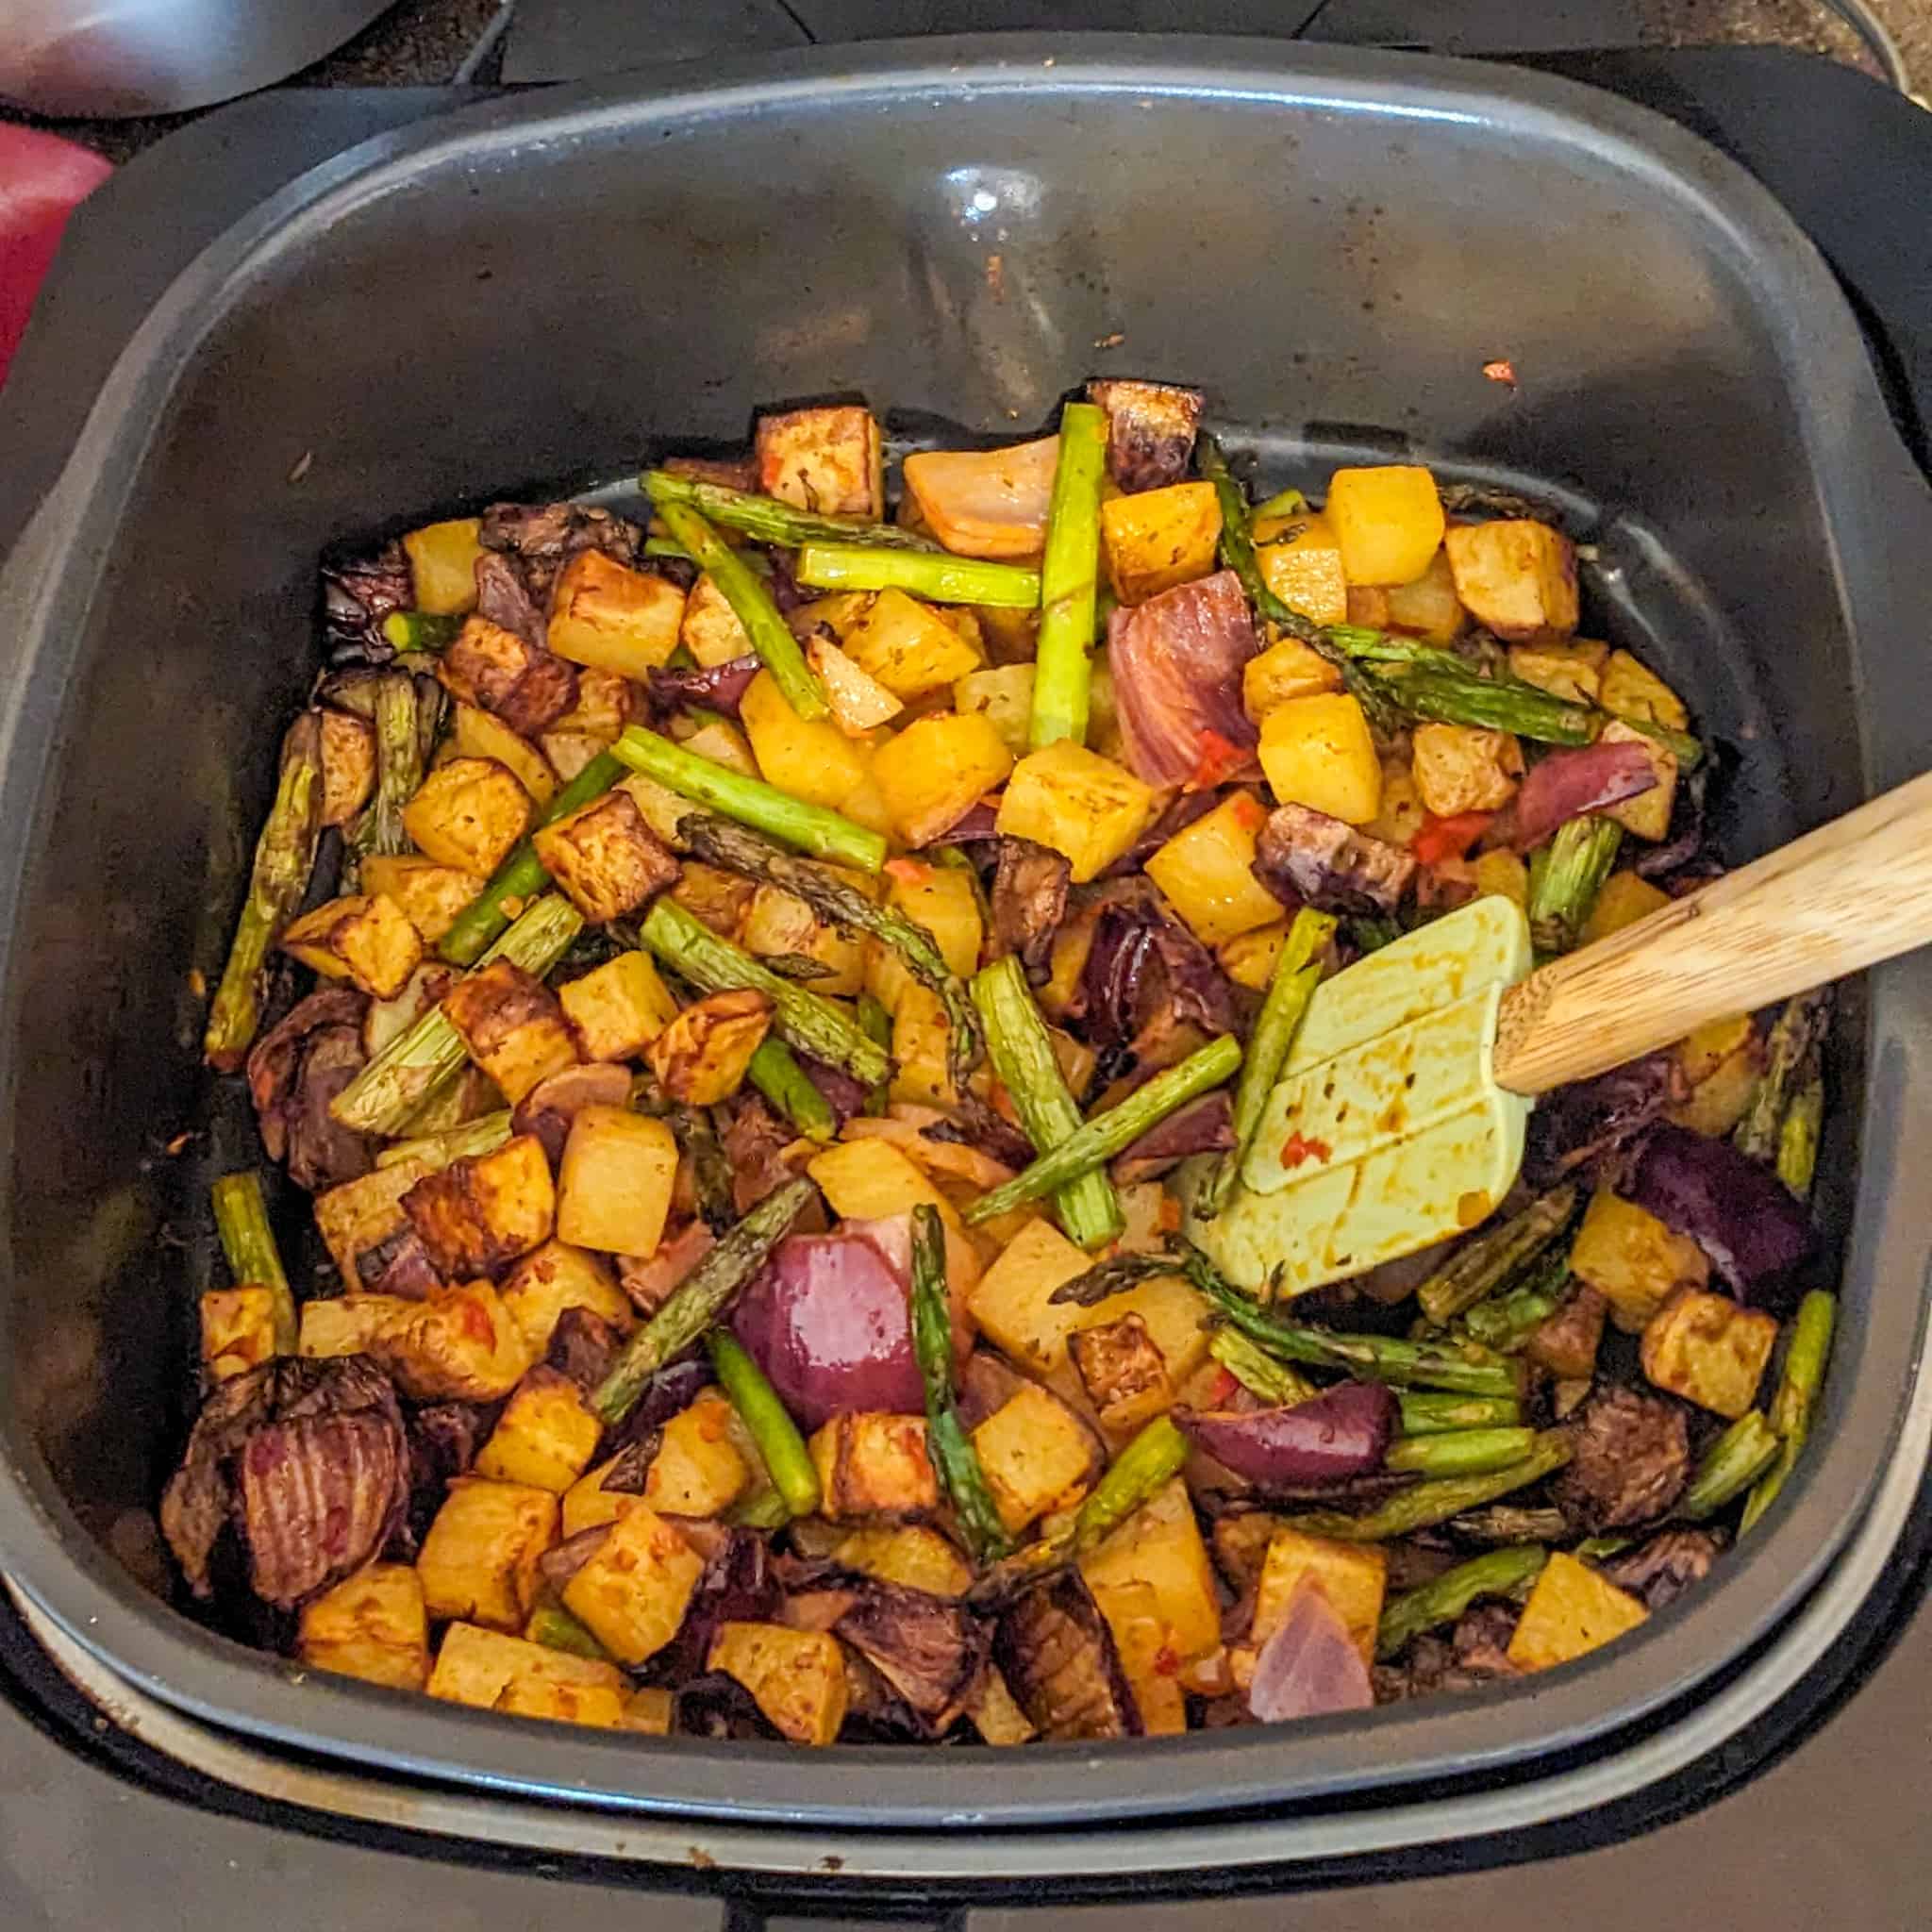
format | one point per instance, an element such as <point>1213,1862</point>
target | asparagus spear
<point>1507,1322</point>
<point>1460,1452</point>
<point>751,802</point>
<point>875,1022</point>
<point>1068,574</point>
<point>554,1628</point>
<point>788,1462</point>
<point>953,1458</point>
<point>1430,1415</point>
<point>1566,875</point>
<point>1284,503</point>
<point>1023,1057</point>
<point>763,1509</point>
<point>765,520</point>
<point>396,713</point>
<point>682,660</point>
<point>284,857</point>
<point>1430,1502</point>
<point>483,1135</point>
<point>248,1244</point>
<point>1797,1137</point>
<point>1805,1355</point>
<point>1257,1372</point>
<point>522,874</point>
<point>1789,1056</point>
<point>923,573</point>
<point>746,591</point>
<point>385,1097</point>
<point>698,1300</point>
<point>1730,1466</point>
<point>1096,1142</point>
<point>698,1142</point>
<point>717,841</point>
<point>1291,986</point>
<point>1482,1265</point>
<point>775,1072</point>
<point>1509,1523</point>
<point>1445,1598</point>
<point>803,1018</point>
<point>1496,704</point>
<point>421,630</point>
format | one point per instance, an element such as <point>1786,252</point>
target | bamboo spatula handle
<point>1853,892</point>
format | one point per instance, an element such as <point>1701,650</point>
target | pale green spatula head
<point>1387,1131</point>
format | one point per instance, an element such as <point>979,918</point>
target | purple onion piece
<point>718,688</point>
<point>1342,1432</point>
<point>1206,1126</point>
<point>1563,785</point>
<point>1310,1666</point>
<point>1736,1211</point>
<point>1177,661</point>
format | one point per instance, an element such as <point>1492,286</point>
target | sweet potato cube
<point>498,671</point>
<point>361,1216</point>
<point>484,1668</point>
<point>237,1329</point>
<point>1573,670</point>
<point>558,1276</point>
<point>812,759</point>
<point>1571,1611</point>
<point>483,1210</point>
<point>615,1182</point>
<point>1388,519</point>
<point>1516,576</point>
<point>633,1593</point>
<point>701,1056</point>
<point>697,1470</point>
<point>457,1344</point>
<point>1300,560</point>
<point>545,1437</point>
<point>478,1562</point>
<point>1708,1350</point>
<point>366,939</point>
<point>873,1465</point>
<point>1625,898</point>
<point>468,813</point>
<point>619,1008</point>
<point>606,858</point>
<point>1037,1455</point>
<point>371,1625</point>
<point>1318,752</point>
<point>1353,1576</point>
<point>827,459</point>
<point>933,772</point>
<point>605,614</point>
<point>1287,669</point>
<point>443,565</point>
<point>1461,768</point>
<point>907,647</point>
<point>797,1677</point>
<point>1647,815</point>
<point>1632,691</point>
<point>782,925</point>
<point>911,1554</point>
<point>1150,430</point>
<point>1085,807</point>
<point>1160,1548</point>
<point>430,893</point>
<point>1632,1259</point>
<point>1207,871</point>
<point>512,1027</point>
<point>860,701</point>
<point>709,628</point>
<point>1159,538</point>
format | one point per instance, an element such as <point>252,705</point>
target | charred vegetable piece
<point>427,631</point>
<point>248,1245</point>
<point>1055,1653</point>
<point>766,520</point>
<point>1429,1503</point>
<point>1442,1599</point>
<point>1565,877</point>
<point>1789,1061</point>
<point>1069,581</point>
<point>400,709</point>
<point>1482,1265</point>
<point>284,858</point>
<point>1259,1373</point>
<point>922,573</point>
<point>1797,1394</point>
<point>786,1460</point>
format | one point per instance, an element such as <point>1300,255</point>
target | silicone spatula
<point>1399,1118</point>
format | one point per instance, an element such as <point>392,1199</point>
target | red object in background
<point>42,179</point>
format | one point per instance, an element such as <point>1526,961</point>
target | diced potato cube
<point>1207,871</point>
<point>1400,816</point>
<point>1085,807</point>
<point>615,1183</point>
<point>477,735</point>
<point>1647,815</point>
<point>371,1625</point>
<point>1159,538</point>
<point>478,1562</point>
<point>701,1057</point>
<point>797,1677</point>
<point>361,1216</point>
<point>366,939</point>
<point>873,1465</point>
<point>1036,1456</point>
<point>865,804</point>
<point>482,1668</point>
<point>603,708</point>
<point>443,565</point>
<point>483,1210</point>
<point>1632,691</point>
<point>468,813</point>
<point>1426,606</point>
<point>1160,1548</point>
<point>1124,1373</point>
<point>237,1329</point>
<point>1502,874</point>
<point>860,701</point>
<point>1300,560</point>
<point>719,741</point>
<point>431,894</point>
<point>920,1043</point>
<point>1287,669</point>
<point>1708,1350</point>
<point>512,1027</point>
<point>1459,768</point>
<point>697,1470</point>
<point>1388,519</point>
<point>619,1008</point>
<point>714,897</point>
<point>569,751</point>
<point>1516,576</point>
<point>1625,900</point>
<point>349,1324</point>
<point>1574,671</point>
<point>1005,693</point>
<point>606,858</point>
<point>1318,752</point>
<point>871,1180</point>
<point>986,502</point>
<point>600,1705</point>
<point>1571,1610</point>
<point>1632,1259</point>
<point>588,1504</point>
<point>1353,1576</point>
<point>617,619</point>
<point>832,618</point>
<point>909,1553</point>
<point>781,926</point>
<point>812,760</point>
<point>906,647</point>
<point>457,1344</point>
<point>1249,960</point>
<point>348,766</point>
<point>709,628</point>
<point>832,460</point>
<point>996,1714</point>
<point>661,807</point>
<point>498,670</point>
<point>555,1277</point>
<point>634,1591</point>
<point>942,900</point>
<point>1721,1061</point>
<point>933,772</point>
<point>1013,1301</point>
<point>545,1437</point>
<point>651,1711</point>
<point>1147,1659</point>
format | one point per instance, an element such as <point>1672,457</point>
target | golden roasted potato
<point>1574,671</point>
<point>1461,768</point>
<point>995,1715</point>
<point>1647,815</point>
<point>237,1329</point>
<point>871,1180</point>
<point>1004,692</point>
<point>605,614</point>
<point>1037,1455</point>
<point>372,1626</point>
<point>512,1027</point>
<point>457,1344</point>
<point>619,1008</point>
<point>546,1436</point>
<point>478,1562</point>
<point>1388,519</point>
<point>360,1217</point>
<point>1300,560</point>
<point>1160,1548</point>
<point>367,939</point>
<point>1287,669</point>
<point>443,565</point>
<point>1426,606</point>
<point>714,897</point>
<point>812,759</point>
<point>1124,1373</point>
<point>1085,807</point>
<point>615,1183</point>
<point>827,459</point>
<point>907,647</point>
<point>348,766</point>
<point>873,1465</point>
<point>1624,899</point>
<point>1632,1259</point>
<point>605,857</point>
<point>431,894</point>
<point>1708,1350</point>
<point>492,1670</point>
<point>781,926</point>
<point>709,628</point>
<point>934,772</point>
<point>633,1593</point>
<point>499,672</point>
<point>797,1677</point>
<point>1353,1576</point>
<point>860,701</point>
<point>1632,691</point>
<point>468,813</point>
<point>1571,1612</point>
<point>698,1470</point>
<point>1516,576</point>
<point>1318,752</point>
<point>604,706</point>
<point>1206,870</point>
<point>911,1554</point>
<point>477,735</point>
<point>1159,538</point>
<point>558,1276</point>
<point>701,1056</point>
